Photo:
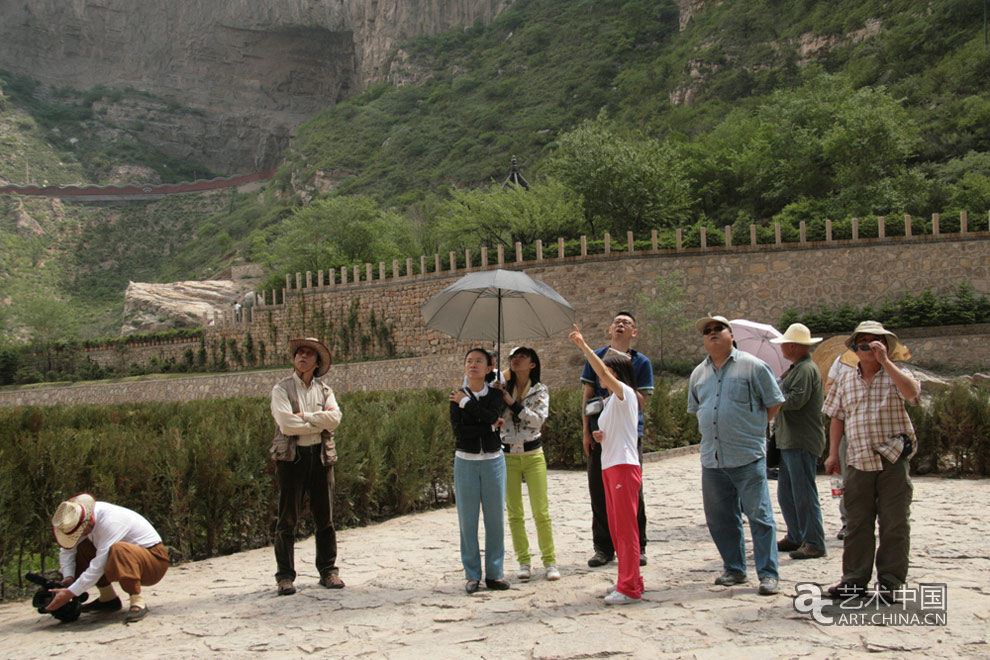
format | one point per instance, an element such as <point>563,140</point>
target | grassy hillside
<point>643,117</point>
<point>545,65</point>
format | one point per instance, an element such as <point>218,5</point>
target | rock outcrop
<point>155,307</point>
<point>252,70</point>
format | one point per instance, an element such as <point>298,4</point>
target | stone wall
<point>759,283</point>
<point>124,355</point>
<point>755,282</point>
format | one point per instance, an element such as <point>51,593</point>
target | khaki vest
<point>284,446</point>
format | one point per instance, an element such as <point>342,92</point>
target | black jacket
<point>473,423</point>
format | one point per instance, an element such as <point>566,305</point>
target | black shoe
<point>846,591</point>
<point>136,613</point>
<point>886,594</point>
<point>728,579</point>
<point>496,585</point>
<point>102,605</point>
<point>599,559</point>
<point>471,587</point>
<point>642,557</point>
<point>786,545</point>
<point>807,551</point>
<point>842,533</point>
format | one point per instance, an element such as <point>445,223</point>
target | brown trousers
<point>127,564</point>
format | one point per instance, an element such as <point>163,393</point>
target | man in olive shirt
<point>800,434</point>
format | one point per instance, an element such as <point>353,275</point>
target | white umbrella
<point>754,338</point>
<point>498,305</point>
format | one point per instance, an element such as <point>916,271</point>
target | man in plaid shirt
<point>867,404</point>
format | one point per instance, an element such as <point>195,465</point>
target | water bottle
<point>837,486</point>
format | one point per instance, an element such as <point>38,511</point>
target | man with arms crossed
<point>306,413</point>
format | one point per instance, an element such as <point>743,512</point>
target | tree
<point>336,231</point>
<point>504,216</point>
<point>51,324</point>
<point>665,307</point>
<point>824,140</point>
<point>628,182</point>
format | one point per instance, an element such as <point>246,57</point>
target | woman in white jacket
<point>528,402</point>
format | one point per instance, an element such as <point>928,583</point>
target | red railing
<point>134,190</point>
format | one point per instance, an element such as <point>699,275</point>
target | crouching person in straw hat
<point>103,543</point>
<point>306,413</point>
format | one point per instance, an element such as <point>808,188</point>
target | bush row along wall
<point>200,471</point>
<point>561,368</point>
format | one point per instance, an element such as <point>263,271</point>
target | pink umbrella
<point>754,338</point>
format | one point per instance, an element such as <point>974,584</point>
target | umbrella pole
<point>498,348</point>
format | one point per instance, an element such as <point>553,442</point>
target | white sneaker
<point>619,598</point>
<point>552,572</point>
<point>608,592</point>
<point>524,573</point>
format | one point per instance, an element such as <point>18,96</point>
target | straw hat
<point>874,328</point>
<point>69,521</point>
<point>701,323</point>
<point>316,345</point>
<point>797,333</point>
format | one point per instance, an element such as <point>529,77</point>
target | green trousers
<point>532,468</point>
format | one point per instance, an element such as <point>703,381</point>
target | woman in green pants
<point>528,402</point>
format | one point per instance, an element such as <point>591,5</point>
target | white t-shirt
<point>114,524</point>
<point>619,423</point>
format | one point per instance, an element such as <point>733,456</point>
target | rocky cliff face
<point>156,307</point>
<point>252,69</point>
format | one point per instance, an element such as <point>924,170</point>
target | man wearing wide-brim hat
<point>101,543</point>
<point>306,414</point>
<point>800,436</point>
<point>867,404</point>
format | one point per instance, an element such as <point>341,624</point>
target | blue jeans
<point>727,494</point>
<point>797,495</point>
<point>481,484</point>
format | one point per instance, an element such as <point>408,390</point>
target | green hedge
<point>926,309</point>
<point>200,471</point>
<point>953,432</point>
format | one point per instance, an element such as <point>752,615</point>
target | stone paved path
<point>404,596</point>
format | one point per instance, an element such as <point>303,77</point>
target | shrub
<point>200,470</point>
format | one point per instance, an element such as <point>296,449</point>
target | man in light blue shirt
<point>734,395</point>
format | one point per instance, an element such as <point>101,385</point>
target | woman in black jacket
<point>479,470</point>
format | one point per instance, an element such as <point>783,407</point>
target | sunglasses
<point>711,329</point>
<point>860,347</point>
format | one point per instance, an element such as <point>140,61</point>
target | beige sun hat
<point>796,333</point>
<point>701,323</point>
<point>316,345</point>
<point>69,521</point>
<point>875,328</point>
